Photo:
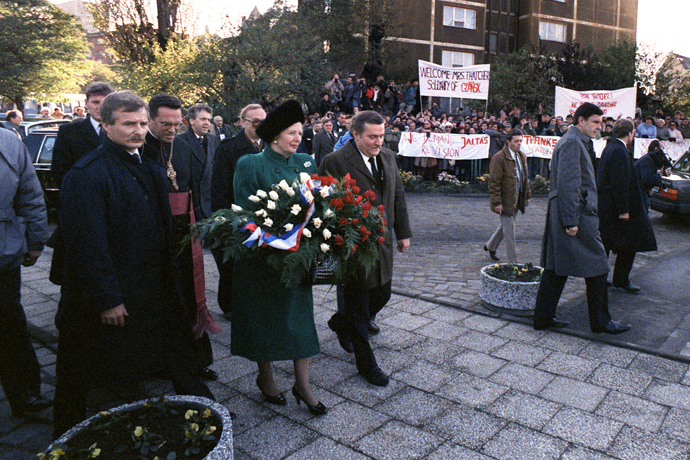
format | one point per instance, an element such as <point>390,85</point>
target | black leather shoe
<point>318,409</point>
<point>345,342</point>
<point>374,328</point>
<point>278,400</point>
<point>209,374</point>
<point>492,254</point>
<point>628,287</point>
<point>30,405</point>
<point>553,323</point>
<point>375,376</point>
<point>612,327</point>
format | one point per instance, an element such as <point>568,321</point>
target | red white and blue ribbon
<point>288,241</point>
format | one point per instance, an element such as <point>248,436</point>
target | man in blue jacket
<point>23,231</point>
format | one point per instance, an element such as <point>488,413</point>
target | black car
<point>40,140</point>
<point>674,197</point>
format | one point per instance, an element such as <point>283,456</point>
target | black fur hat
<point>279,119</point>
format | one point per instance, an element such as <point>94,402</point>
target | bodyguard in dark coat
<point>365,298</point>
<point>201,146</point>
<point>246,142</point>
<point>122,316</point>
<point>572,245</point>
<point>74,140</point>
<point>623,222</point>
<point>324,141</point>
<point>649,170</point>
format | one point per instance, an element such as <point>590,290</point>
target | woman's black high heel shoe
<point>278,400</point>
<point>319,409</point>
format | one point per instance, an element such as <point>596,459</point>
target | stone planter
<point>510,295</point>
<point>222,451</point>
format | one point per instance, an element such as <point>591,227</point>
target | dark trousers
<point>550,289</point>
<point>359,307</point>
<point>19,371</point>
<point>74,383</point>
<point>224,281</point>
<point>621,270</point>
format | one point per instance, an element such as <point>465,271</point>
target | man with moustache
<point>245,142</point>
<point>201,146</point>
<point>122,316</point>
<point>373,168</point>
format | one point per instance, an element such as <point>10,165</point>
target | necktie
<point>136,157</point>
<point>374,169</point>
<point>101,132</point>
<point>518,167</point>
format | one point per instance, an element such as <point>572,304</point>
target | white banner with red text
<point>446,146</point>
<point>476,146</point>
<point>469,82</point>
<point>616,103</point>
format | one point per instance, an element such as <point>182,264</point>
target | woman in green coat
<point>269,321</point>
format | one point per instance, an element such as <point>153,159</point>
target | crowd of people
<point>134,174</point>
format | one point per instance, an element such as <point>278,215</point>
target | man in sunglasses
<point>245,142</point>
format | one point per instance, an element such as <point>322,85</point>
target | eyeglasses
<point>254,123</point>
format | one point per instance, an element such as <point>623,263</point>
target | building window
<point>456,59</point>
<point>459,17</point>
<point>552,32</point>
<point>493,43</point>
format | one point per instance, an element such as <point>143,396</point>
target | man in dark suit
<point>246,142</point>
<point>572,245</point>
<point>623,220</point>
<point>219,129</point>
<point>373,168</point>
<point>202,147</point>
<point>323,141</point>
<point>74,140</point>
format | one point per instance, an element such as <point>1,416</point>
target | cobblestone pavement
<point>467,382</point>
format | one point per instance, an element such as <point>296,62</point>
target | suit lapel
<point>197,149</point>
<point>355,158</point>
<point>89,132</point>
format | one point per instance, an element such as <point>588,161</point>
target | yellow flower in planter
<point>207,413</point>
<point>496,265</point>
<point>194,427</point>
<point>138,431</point>
<point>189,414</point>
<point>209,430</point>
<point>104,413</point>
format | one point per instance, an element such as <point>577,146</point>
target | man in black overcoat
<point>372,168</point>
<point>623,222</point>
<point>324,140</point>
<point>74,140</point>
<point>122,315</point>
<point>245,142</point>
<point>201,145</point>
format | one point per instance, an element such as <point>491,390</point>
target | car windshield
<point>683,165</point>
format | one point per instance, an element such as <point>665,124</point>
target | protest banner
<point>616,103</point>
<point>673,149</point>
<point>444,146</point>
<point>470,82</point>
<point>542,146</point>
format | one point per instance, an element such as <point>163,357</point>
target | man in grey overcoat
<point>372,168</point>
<point>572,245</point>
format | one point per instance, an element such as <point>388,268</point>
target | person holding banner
<point>509,192</point>
<point>572,245</point>
<point>271,322</point>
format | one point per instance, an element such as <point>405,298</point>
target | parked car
<point>40,141</point>
<point>674,197</point>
